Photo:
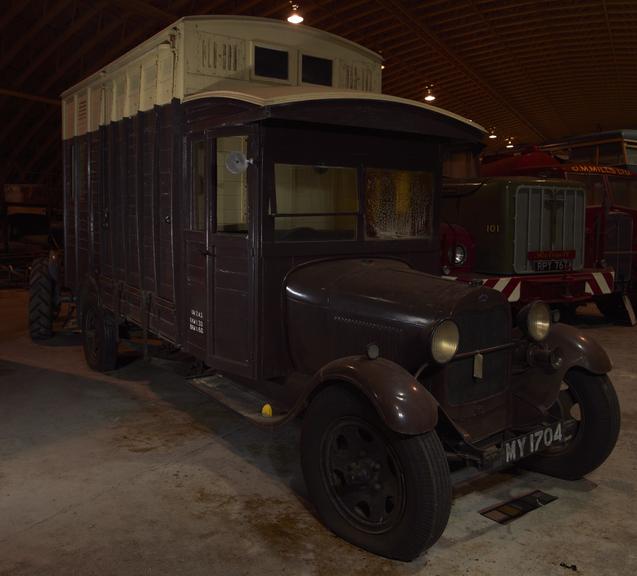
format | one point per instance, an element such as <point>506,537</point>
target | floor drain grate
<point>513,509</point>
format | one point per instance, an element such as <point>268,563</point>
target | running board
<point>240,399</point>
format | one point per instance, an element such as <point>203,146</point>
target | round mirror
<point>237,163</point>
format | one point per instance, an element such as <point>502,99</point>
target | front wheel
<point>591,400</point>
<point>387,493</point>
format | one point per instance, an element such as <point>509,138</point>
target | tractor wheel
<point>42,304</point>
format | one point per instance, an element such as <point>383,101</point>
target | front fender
<point>403,404</point>
<point>536,388</point>
<point>578,349</point>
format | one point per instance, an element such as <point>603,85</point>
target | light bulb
<point>492,136</point>
<point>295,17</point>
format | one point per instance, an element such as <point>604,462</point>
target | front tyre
<point>591,400</point>
<point>387,493</point>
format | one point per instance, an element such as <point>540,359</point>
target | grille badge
<point>478,366</point>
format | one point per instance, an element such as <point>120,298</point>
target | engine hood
<point>383,289</point>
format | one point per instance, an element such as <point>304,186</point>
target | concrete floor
<point>139,473</point>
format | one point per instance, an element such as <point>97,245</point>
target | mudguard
<point>578,349</point>
<point>536,389</point>
<point>403,404</point>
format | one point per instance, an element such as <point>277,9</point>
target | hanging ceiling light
<point>509,142</point>
<point>492,134</point>
<point>295,17</point>
<point>429,97</point>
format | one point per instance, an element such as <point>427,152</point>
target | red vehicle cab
<point>611,204</point>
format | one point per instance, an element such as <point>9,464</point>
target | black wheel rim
<point>567,407</point>
<point>90,333</point>
<point>363,475</point>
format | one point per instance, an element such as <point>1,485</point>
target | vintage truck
<point>240,188</point>
<point>604,165</point>
<point>524,237</point>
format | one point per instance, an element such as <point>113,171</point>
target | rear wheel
<point>590,400</point>
<point>99,336</point>
<point>387,493</point>
<point>42,304</point>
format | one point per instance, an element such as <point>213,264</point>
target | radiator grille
<point>478,330</point>
<point>548,218</point>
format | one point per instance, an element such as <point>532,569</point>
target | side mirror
<point>237,163</point>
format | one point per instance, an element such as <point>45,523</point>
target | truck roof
<point>278,95</point>
<point>219,57</point>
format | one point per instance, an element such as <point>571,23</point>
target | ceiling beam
<point>411,21</point>
<point>26,96</point>
<point>27,38</point>
<point>8,16</point>
<point>60,40</point>
<point>147,10</point>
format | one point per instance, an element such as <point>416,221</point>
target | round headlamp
<point>535,320</point>
<point>444,341</point>
<point>459,255</point>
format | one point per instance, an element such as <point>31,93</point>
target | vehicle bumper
<point>568,287</point>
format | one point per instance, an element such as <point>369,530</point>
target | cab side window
<point>232,186</point>
<point>198,186</point>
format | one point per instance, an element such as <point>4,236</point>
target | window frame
<point>431,233</point>
<point>292,70</point>
<point>300,70</point>
<point>214,174</point>
<point>272,213</point>
<point>193,140</point>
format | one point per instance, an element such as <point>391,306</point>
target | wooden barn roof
<point>534,70</point>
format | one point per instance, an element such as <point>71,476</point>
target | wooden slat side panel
<point>166,218</point>
<point>82,204</point>
<point>148,215</point>
<point>95,193</point>
<point>69,215</point>
<point>130,208</point>
<point>106,183</point>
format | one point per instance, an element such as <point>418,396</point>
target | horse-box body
<point>240,188</point>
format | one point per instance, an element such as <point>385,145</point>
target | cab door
<point>232,259</point>
<point>197,222</point>
<point>219,259</point>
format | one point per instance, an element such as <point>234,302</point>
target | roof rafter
<point>422,31</point>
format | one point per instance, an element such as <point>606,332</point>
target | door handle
<point>206,253</point>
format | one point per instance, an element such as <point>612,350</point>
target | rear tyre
<point>591,400</point>
<point>99,337</point>
<point>387,493</point>
<point>41,300</point>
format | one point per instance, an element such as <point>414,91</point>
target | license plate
<point>552,265</point>
<point>533,442</point>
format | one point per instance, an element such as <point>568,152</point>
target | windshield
<point>398,204</point>
<point>594,186</point>
<point>624,192</point>
<point>319,203</point>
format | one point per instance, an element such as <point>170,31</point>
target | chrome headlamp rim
<point>535,320</point>
<point>444,341</point>
<point>459,254</point>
